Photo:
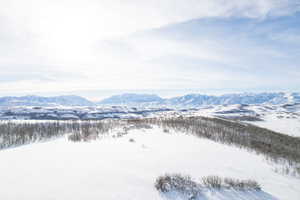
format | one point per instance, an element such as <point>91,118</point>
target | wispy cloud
<point>88,45</point>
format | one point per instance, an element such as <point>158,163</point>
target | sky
<point>97,47</point>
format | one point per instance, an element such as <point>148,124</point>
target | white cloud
<point>88,39</point>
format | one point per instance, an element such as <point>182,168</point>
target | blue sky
<point>93,47</point>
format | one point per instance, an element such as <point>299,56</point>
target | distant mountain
<point>195,100</point>
<point>190,100</point>
<point>70,100</point>
<point>230,99</point>
<point>132,99</point>
<point>227,99</point>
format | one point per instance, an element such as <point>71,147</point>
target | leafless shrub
<point>230,182</point>
<point>251,184</point>
<point>186,186</point>
<point>241,184</point>
<point>131,140</point>
<point>217,182</point>
<point>166,130</point>
<point>212,181</point>
<point>178,183</point>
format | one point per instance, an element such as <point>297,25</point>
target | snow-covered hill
<point>280,118</point>
<point>125,168</point>
<point>77,112</point>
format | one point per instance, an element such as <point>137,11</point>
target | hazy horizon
<point>102,94</point>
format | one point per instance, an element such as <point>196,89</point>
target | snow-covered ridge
<point>131,98</point>
<point>69,100</point>
<point>146,100</point>
<point>196,100</point>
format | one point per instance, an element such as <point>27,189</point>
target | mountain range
<point>69,100</point>
<point>190,100</point>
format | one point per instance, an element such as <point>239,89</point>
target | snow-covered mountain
<point>70,100</point>
<point>195,100</point>
<point>230,99</point>
<point>132,99</point>
<point>146,100</point>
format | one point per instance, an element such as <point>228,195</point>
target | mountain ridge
<point>133,99</point>
<point>33,100</point>
<point>194,100</point>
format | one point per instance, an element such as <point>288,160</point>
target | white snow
<point>281,123</point>
<point>116,169</point>
<point>276,118</point>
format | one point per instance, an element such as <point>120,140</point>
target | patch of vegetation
<point>178,183</point>
<point>186,186</point>
<point>218,182</point>
<point>17,134</point>
<point>13,134</point>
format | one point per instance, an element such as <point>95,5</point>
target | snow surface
<point>280,123</point>
<point>280,118</point>
<point>117,169</point>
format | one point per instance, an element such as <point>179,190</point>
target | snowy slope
<point>284,119</point>
<point>280,118</point>
<point>117,169</point>
<point>282,124</point>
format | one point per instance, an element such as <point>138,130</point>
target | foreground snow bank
<point>125,169</point>
<point>222,194</point>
